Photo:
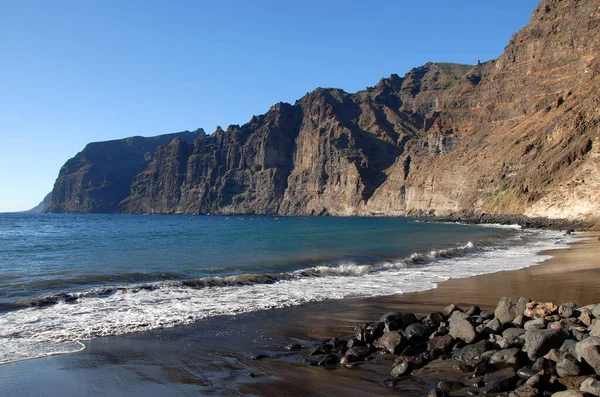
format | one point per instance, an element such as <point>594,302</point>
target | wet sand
<point>214,356</point>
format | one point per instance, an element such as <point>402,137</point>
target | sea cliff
<point>514,135</point>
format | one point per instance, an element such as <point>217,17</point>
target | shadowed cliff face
<point>514,135</point>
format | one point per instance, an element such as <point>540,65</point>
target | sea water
<point>68,278</point>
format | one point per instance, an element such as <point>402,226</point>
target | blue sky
<point>73,72</point>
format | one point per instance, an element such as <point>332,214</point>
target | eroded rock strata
<point>515,135</point>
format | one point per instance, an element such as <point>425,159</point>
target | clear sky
<point>73,72</point>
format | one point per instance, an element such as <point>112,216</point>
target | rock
<point>398,319</point>
<point>483,368</point>
<point>525,373</point>
<point>538,323</point>
<point>450,386</point>
<point>450,309</point>
<point>434,319</point>
<point>519,320</point>
<point>352,342</point>
<point>473,310</point>
<point>493,327</point>
<point>586,317</point>
<point>567,365</point>
<point>591,355</point>
<point>568,346</point>
<point>524,391</point>
<point>329,360</point>
<point>539,342</point>
<point>572,382</point>
<point>578,334</point>
<point>540,309</point>
<point>392,341</point>
<point>442,343</point>
<point>457,316</point>
<point>591,386</point>
<point>462,329</point>
<point>512,332</point>
<point>417,332</point>
<point>580,346</point>
<point>471,354</point>
<point>535,381</point>
<point>500,381</point>
<point>509,308</point>
<point>400,369</point>
<point>595,328</point>
<point>596,311</point>
<point>374,331</point>
<point>357,353</point>
<point>506,358</point>
<point>568,393</point>
<point>323,349</point>
<point>293,347</point>
<point>437,392</point>
<point>566,310</point>
<point>553,355</point>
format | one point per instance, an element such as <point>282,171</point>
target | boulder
<point>417,332</point>
<point>329,359</point>
<point>462,329</point>
<point>471,354</point>
<point>486,315</point>
<point>434,319</point>
<point>525,373</point>
<point>538,323</point>
<point>524,391</point>
<point>442,343</point>
<point>493,327</point>
<point>568,393</point>
<point>539,342</point>
<point>500,381</point>
<point>566,310</point>
<point>540,309</point>
<point>591,386</point>
<point>567,365</point>
<point>398,319</point>
<point>509,308</point>
<point>586,317</point>
<point>512,332</point>
<point>392,341</point>
<point>595,328</point>
<point>506,358</point>
<point>450,309</point>
<point>568,346</point>
<point>581,346</point>
<point>457,316</point>
<point>400,369</point>
<point>357,353</point>
<point>473,311</point>
<point>591,355</point>
<point>596,311</point>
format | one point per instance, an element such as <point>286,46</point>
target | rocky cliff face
<point>514,135</point>
<point>99,177</point>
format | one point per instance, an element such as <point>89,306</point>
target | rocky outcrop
<point>516,135</point>
<point>99,177</point>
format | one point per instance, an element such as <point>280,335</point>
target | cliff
<point>99,177</point>
<point>514,135</point>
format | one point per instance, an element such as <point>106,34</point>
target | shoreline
<point>215,355</point>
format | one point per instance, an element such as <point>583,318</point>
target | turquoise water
<point>66,278</point>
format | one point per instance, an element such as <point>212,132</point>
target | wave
<point>111,310</point>
<point>325,270</point>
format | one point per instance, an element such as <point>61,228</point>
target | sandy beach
<point>214,356</point>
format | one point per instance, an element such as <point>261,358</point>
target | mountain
<point>517,135</point>
<point>43,205</point>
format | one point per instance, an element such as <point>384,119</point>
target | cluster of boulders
<point>522,349</point>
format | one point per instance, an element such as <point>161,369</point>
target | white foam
<point>35,332</point>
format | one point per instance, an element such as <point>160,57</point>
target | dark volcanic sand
<point>213,356</point>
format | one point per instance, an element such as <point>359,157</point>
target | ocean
<point>69,278</point>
